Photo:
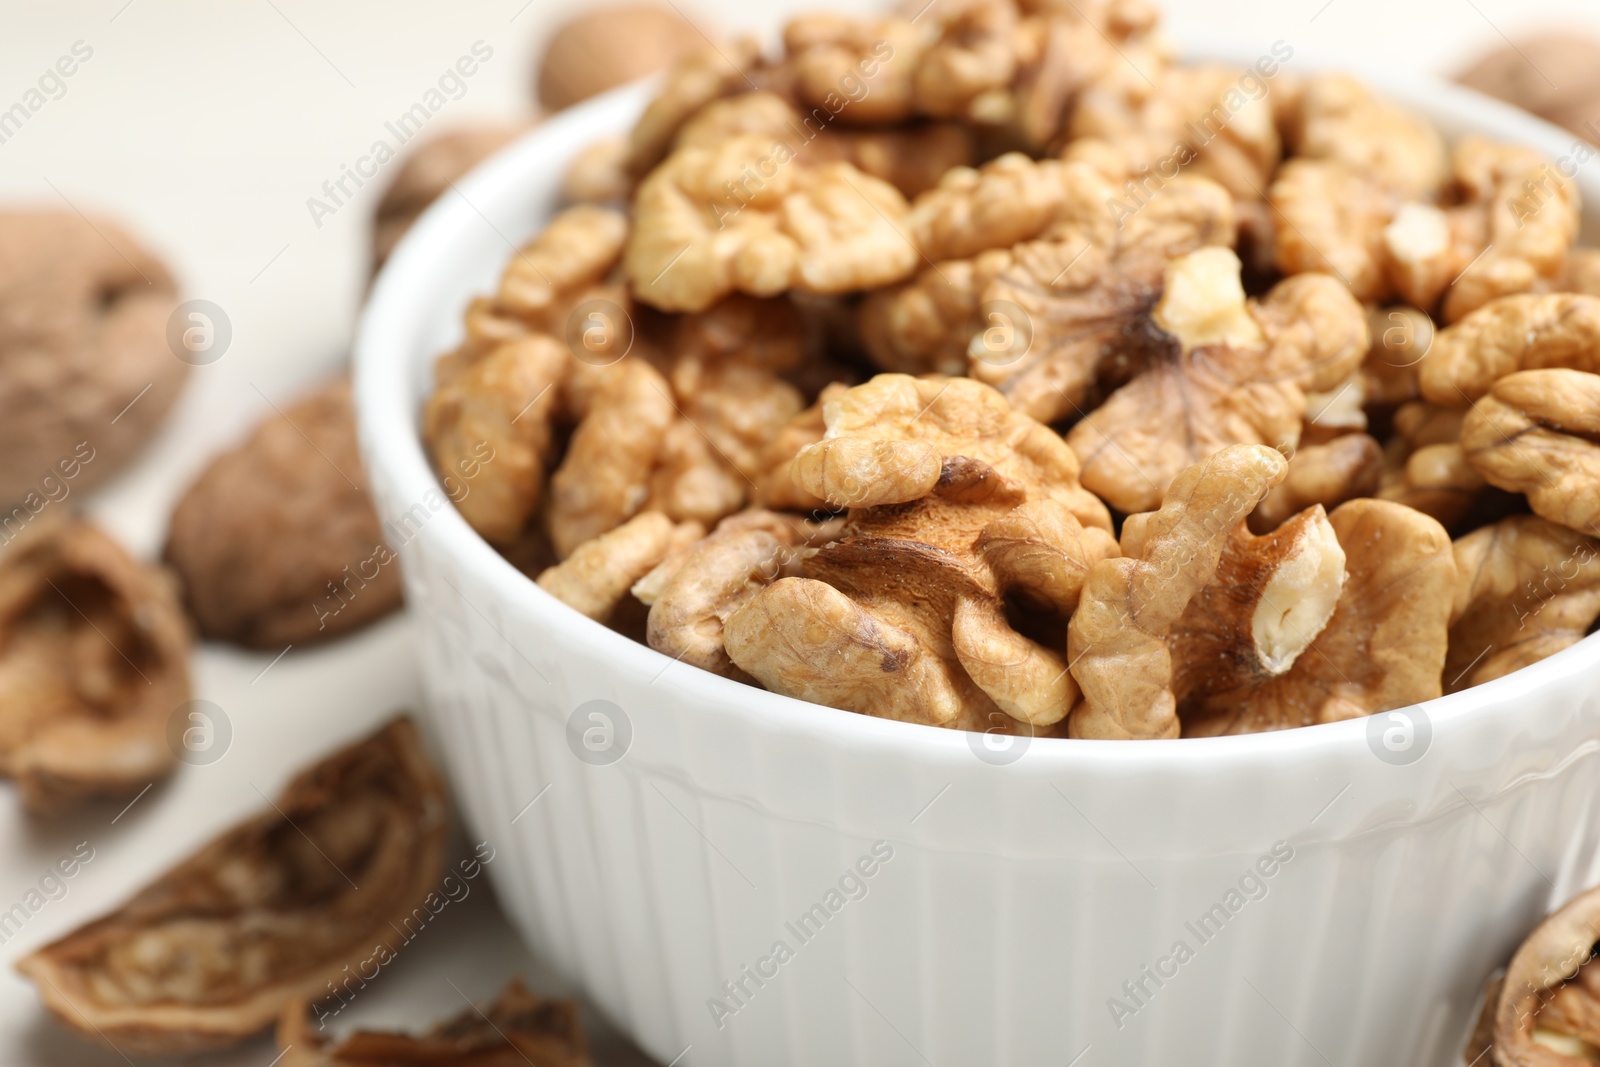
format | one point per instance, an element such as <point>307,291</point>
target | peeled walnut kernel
<point>1007,200</point>
<point>703,76</point>
<point>1334,220</point>
<point>859,71</point>
<point>1526,589</point>
<point>1232,373</point>
<point>93,661</point>
<point>270,912</point>
<point>1401,338</point>
<point>887,442</point>
<point>1506,227</point>
<point>547,276</point>
<point>599,573</point>
<point>1118,638</point>
<point>1525,332</point>
<point>1345,468</point>
<point>692,599</point>
<point>1384,646</point>
<point>494,420</point>
<point>611,46</point>
<point>277,542</point>
<point>604,478</point>
<point>1535,433</point>
<point>704,228</point>
<point>1336,117</point>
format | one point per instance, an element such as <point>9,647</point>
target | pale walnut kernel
<point>1117,640</point>
<point>1401,338</point>
<point>1506,227</point>
<point>1582,273</point>
<point>1186,121</point>
<point>854,71</point>
<point>604,478</point>
<point>1007,200</point>
<point>775,486</point>
<point>1083,298</point>
<point>1524,332</point>
<point>598,174</point>
<point>1345,468</point>
<point>1526,589</point>
<point>1335,117</point>
<point>494,422</point>
<point>906,614</point>
<point>887,442</point>
<point>1535,433</point>
<point>974,56</point>
<point>1384,647</point>
<point>1334,217</point>
<point>599,573</point>
<point>744,216</point>
<point>707,75</point>
<point>573,253</point>
<point>1232,373</point>
<point>693,595</point>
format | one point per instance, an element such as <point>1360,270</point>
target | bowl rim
<point>388,415</point>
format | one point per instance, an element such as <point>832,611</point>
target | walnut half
<point>93,660</point>
<point>270,912</point>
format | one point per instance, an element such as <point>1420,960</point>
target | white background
<point>204,126</point>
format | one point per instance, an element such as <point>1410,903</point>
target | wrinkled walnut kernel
<point>1536,432</point>
<point>1526,589</point>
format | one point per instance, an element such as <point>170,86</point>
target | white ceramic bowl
<point>1023,902</point>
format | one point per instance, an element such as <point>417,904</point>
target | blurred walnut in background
<point>1555,75</point>
<point>611,46</point>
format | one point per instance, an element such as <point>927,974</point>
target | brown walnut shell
<point>277,542</point>
<point>83,335</point>
<point>270,912</point>
<point>93,661</point>
<point>518,1028</point>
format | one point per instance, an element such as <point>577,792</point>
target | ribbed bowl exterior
<point>740,879</point>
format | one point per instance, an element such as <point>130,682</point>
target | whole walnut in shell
<point>331,879</point>
<point>1554,74</point>
<point>93,662</point>
<point>85,366</point>
<point>277,542</point>
<point>611,46</point>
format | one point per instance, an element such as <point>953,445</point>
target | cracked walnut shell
<point>93,661</point>
<point>272,911</point>
<point>276,542</point>
<point>1545,1011</point>
<point>519,1027</point>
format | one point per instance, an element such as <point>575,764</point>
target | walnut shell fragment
<point>93,661</point>
<point>85,367</point>
<point>1526,588</point>
<point>1547,1011</point>
<point>518,1028</point>
<point>270,912</point>
<point>276,541</point>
